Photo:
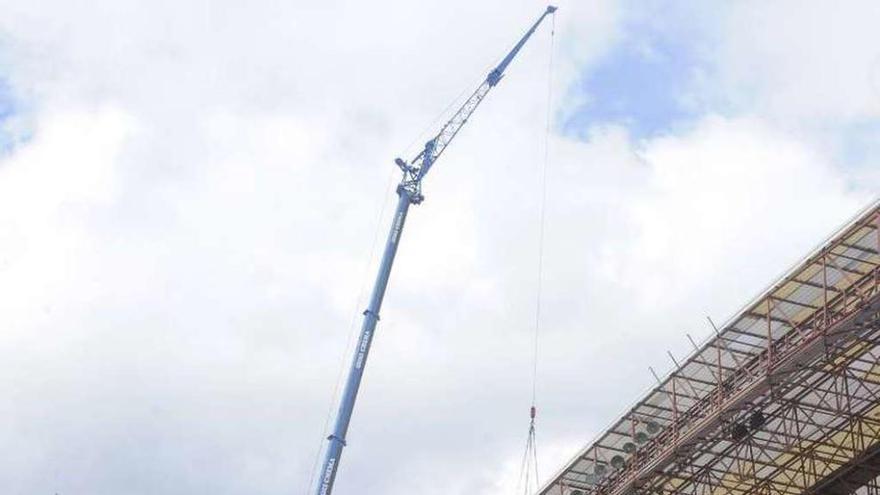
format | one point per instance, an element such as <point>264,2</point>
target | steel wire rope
<point>529,463</point>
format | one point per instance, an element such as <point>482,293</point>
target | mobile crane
<point>409,192</point>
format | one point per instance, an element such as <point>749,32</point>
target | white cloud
<point>48,191</point>
<point>803,60</point>
<point>723,187</point>
<point>185,235</point>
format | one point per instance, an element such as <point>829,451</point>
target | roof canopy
<point>785,395</point>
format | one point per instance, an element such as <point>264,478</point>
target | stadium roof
<point>784,398</point>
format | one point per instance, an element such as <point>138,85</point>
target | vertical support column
<point>632,435</point>
<point>877,230</point>
<point>824,292</point>
<point>720,386</point>
<point>877,247</point>
<point>769,337</point>
<point>674,411</point>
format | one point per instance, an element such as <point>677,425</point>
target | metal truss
<point>783,399</point>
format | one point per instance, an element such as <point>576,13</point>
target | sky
<point>193,196</point>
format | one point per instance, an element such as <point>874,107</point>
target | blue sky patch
<point>859,143</point>
<point>7,110</point>
<point>5,100</point>
<point>643,83</point>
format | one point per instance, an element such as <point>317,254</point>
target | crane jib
<point>498,72</point>
<point>409,193</point>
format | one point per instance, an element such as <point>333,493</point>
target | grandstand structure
<point>784,398</point>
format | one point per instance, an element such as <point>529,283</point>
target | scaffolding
<point>783,399</point>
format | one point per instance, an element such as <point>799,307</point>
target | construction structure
<point>783,399</point>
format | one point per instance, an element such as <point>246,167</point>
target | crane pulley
<point>409,192</point>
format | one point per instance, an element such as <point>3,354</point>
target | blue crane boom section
<point>409,193</point>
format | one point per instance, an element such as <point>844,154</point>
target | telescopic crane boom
<point>409,192</point>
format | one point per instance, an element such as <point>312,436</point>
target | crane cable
<point>528,478</point>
